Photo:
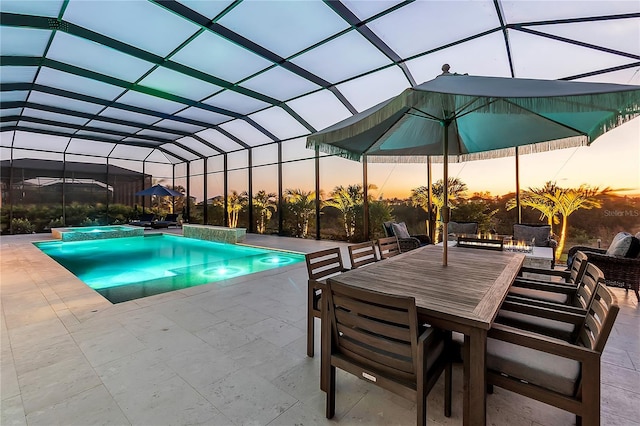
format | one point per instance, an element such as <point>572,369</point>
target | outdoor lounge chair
<point>537,234</point>
<point>621,267</point>
<point>169,220</point>
<point>461,228</point>
<point>377,337</point>
<point>145,219</point>
<point>560,320</point>
<point>407,242</point>
<point>553,371</point>
<point>320,265</point>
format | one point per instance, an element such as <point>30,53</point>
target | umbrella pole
<point>365,203</point>
<point>430,217</point>
<point>445,193</point>
<point>518,206</point>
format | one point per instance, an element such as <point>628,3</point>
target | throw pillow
<point>624,245</point>
<point>388,229</point>
<point>400,230</point>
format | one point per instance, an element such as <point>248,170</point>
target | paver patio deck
<point>227,353</point>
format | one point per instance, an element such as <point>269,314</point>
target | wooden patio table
<point>464,296</point>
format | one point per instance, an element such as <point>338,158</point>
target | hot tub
<point>96,232</point>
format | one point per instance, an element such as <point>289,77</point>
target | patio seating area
<point>231,352</point>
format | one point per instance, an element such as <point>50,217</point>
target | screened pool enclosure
<point>100,99</point>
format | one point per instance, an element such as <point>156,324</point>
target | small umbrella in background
<point>479,117</point>
<point>160,191</point>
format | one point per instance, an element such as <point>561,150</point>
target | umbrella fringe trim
<point>571,142</point>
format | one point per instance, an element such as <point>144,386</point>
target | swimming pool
<point>124,269</point>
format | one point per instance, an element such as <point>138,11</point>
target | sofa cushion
<point>624,245</point>
<point>527,233</point>
<point>536,367</point>
<point>400,230</point>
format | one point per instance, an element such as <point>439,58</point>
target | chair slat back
<point>388,247</point>
<point>588,285</point>
<point>323,263</point>
<point>373,329</point>
<point>599,321</point>
<point>578,266</point>
<point>362,254</point>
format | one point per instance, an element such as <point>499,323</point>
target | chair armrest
<point>618,260</point>
<point>315,285</point>
<point>544,271</point>
<point>542,343</point>
<point>541,309</point>
<point>574,249</point>
<point>407,244</point>
<point>545,304</point>
<point>423,238</point>
<point>544,286</point>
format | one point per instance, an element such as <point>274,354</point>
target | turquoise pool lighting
<point>130,268</point>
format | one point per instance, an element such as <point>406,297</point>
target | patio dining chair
<point>377,337</point>
<point>538,288</point>
<point>362,254</point>
<point>320,265</point>
<point>559,320</point>
<point>555,372</point>
<point>388,247</point>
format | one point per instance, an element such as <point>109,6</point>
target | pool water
<point>124,269</point>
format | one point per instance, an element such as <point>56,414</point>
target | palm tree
<point>265,204</point>
<point>303,206</point>
<point>348,200</point>
<point>235,203</point>
<point>420,195</point>
<point>540,199</point>
<point>552,200</point>
<point>572,199</point>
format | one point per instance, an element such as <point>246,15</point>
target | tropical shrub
<point>22,226</point>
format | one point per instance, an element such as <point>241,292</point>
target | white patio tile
<point>106,347</point>
<point>225,336</point>
<point>12,411</point>
<point>248,399</point>
<point>54,383</point>
<point>91,407</point>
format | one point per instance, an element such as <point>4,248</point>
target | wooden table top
<point>467,292</point>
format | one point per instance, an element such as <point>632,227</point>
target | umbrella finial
<point>445,69</point>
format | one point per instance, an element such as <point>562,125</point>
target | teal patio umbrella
<point>471,117</point>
